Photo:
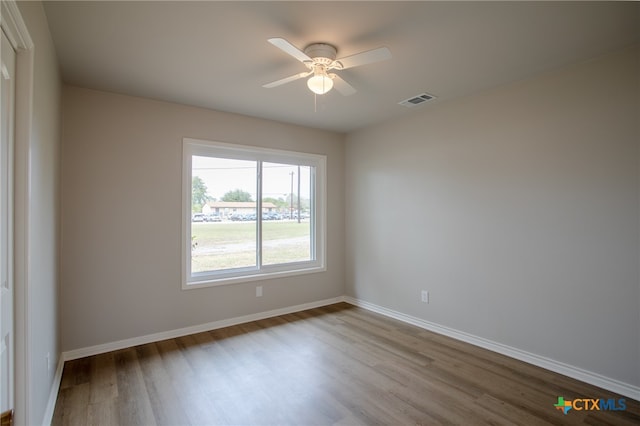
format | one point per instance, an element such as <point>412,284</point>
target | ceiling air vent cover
<point>417,100</point>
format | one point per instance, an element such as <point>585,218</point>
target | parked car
<point>270,216</point>
<point>197,217</point>
<point>212,217</point>
<point>303,215</point>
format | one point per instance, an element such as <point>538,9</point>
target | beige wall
<point>42,223</point>
<point>517,209</point>
<point>121,202</point>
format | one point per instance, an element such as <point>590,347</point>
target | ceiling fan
<point>319,58</point>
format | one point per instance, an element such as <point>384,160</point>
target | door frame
<point>16,30</point>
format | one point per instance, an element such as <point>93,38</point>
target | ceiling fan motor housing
<point>321,53</point>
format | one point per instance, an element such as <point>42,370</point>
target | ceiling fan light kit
<point>319,58</point>
<point>320,83</point>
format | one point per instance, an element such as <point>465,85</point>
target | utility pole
<point>291,197</point>
<point>299,195</point>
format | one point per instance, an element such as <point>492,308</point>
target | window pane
<point>223,226</point>
<point>286,213</point>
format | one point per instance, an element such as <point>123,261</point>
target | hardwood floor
<point>336,365</point>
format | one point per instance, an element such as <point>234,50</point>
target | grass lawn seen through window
<point>226,245</point>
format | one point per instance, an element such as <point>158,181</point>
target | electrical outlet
<point>259,291</point>
<point>424,296</point>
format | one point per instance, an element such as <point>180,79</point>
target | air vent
<point>417,100</point>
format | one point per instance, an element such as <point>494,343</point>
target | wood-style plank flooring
<point>336,365</point>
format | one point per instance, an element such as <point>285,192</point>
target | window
<point>250,213</point>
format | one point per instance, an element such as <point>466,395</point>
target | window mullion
<point>259,216</point>
<point>313,208</point>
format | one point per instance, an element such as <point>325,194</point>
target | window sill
<point>215,282</point>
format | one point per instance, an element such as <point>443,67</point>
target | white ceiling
<point>216,55</point>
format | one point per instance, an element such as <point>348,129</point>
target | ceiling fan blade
<point>342,86</point>
<point>287,79</point>
<point>364,58</point>
<point>290,49</point>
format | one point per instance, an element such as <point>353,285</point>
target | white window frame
<point>191,147</point>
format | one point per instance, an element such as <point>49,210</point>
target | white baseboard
<point>171,334</point>
<point>595,379</point>
<point>53,394</point>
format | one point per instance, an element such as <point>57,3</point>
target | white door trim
<point>16,30</point>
